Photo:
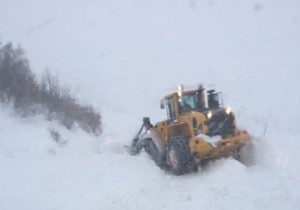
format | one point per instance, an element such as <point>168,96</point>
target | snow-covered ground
<point>122,56</point>
<point>87,173</point>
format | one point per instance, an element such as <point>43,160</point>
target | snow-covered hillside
<point>87,173</point>
<point>123,56</point>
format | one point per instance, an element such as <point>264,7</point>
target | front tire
<point>179,158</point>
<point>154,153</point>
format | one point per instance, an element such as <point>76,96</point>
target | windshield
<point>189,102</point>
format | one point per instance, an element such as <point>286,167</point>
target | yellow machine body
<point>200,126</point>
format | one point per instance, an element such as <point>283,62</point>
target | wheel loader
<point>198,129</point>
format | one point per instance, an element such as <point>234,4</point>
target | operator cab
<point>183,102</point>
<point>218,119</point>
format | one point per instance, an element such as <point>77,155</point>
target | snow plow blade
<point>203,149</point>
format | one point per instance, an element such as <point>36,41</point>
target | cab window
<point>189,102</point>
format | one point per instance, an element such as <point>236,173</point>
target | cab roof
<point>184,91</point>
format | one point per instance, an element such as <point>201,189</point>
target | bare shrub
<point>19,85</point>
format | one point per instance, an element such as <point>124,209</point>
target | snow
<point>123,56</point>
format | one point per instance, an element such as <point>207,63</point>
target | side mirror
<point>162,104</point>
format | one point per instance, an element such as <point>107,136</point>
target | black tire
<point>179,159</point>
<point>154,153</point>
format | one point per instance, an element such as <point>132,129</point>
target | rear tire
<point>179,157</point>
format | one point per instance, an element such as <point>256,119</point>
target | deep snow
<point>87,173</point>
<point>123,56</point>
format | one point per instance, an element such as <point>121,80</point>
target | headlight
<point>228,110</point>
<point>209,114</point>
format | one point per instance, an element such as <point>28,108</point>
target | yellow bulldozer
<point>194,132</point>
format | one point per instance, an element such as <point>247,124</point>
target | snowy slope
<point>37,173</point>
<point>122,56</point>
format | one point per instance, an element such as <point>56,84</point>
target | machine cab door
<point>168,104</point>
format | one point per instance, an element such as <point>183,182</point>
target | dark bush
<point>19,85</point>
